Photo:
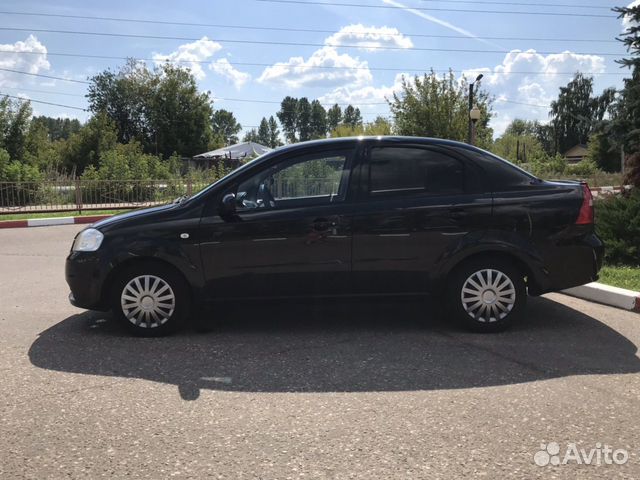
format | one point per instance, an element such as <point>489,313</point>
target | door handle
<point>321,224</point>
<point>457,213</point>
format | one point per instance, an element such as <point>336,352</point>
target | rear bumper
<point>571,263</point>
<point>85,276</point>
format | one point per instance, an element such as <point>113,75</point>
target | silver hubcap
<point>147,301</point>
<point>488,295</point>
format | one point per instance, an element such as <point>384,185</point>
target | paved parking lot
<point>316,390</point>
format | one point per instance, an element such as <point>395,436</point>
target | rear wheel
<point>151,300</point>
<point>486,295</point>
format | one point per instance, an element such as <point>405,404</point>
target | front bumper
<point>85,276</point>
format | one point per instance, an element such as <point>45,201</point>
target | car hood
<point>133,215</point>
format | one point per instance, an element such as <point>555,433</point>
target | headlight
<point>88,240</point>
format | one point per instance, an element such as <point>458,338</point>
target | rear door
<point>290,234</point>
<point>416,203</point>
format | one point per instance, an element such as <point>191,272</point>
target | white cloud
<point>224,68</point>
<point>361,96</point>
<point>540,86</point>
<point>32,63</point>
<point>191,55</point>
<point>369,38</point>
<point>325,67</point>
<point>626,21</point>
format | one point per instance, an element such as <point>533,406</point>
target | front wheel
<point>151,300</point>
<point>486,295</point>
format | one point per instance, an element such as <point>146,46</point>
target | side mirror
<point>228,204</point>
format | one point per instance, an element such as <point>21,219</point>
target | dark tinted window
<point>501,172</point>
<point>402,170</point>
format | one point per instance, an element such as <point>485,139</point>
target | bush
<point>584,168</point>
<point>618,224</point>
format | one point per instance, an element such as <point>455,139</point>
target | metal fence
<point>79,195</point>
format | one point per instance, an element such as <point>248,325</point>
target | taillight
<point>585,217</point>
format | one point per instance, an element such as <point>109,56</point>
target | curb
<point>607,295</point>
<point>47,222</point>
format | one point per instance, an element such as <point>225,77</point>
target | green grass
<point>69,213</point>
<point>623,277</point>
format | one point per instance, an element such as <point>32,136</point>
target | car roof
<point>344,141</point>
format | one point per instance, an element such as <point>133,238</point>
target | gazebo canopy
<point>235,152</point>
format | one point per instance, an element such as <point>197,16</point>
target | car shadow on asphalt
<point>340,346</point>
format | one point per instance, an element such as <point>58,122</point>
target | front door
<point>290,234</point>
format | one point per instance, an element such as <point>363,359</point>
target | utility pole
<point>470,139</point>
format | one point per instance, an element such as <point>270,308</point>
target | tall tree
<point>626,124</point>
<point>58,128</point>
<point>226,126</point>
<point>318,120</point>
<point>303,123</point>
<point>274,133</point>
<point>263,132</point>
<point>334,117</point>
<point>434,106</point>
<point>16,135</point>
<point>352,117</point>
<point>161,108</point>
<point>577,113</point>
<point>251,136</point>
<point>288,116</point>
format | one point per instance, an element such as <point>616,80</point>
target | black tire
<point>167,320</point>
<point>486,309</point>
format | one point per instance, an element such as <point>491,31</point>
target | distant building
<point>231,156</point>
<point>576,154</point>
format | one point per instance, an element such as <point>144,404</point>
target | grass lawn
<point>70,213</point>
<point>623,277</point>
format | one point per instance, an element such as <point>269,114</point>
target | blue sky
<point>222,63</point>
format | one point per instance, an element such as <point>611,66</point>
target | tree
<point>160,108</point>
<point>519,148</point>
<point>577,113</point>
<point>263,132</point>
<point>251,136</point>
<point>318,120</point>
<point>225,126</point>
<point>16,129</point>
<point>58,128</point>
<point>86,147</point>
<point>334,117</point>
<point>626,123</point>
<point>603,153</point>
<point>274,133</point>
<point>303,121</point>
<point>288,116</point>
<point>352,117</point>
<point>380,126</point>
<point>433,106</point>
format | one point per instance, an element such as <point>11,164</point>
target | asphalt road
<point>305,390</point>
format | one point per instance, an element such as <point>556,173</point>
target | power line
<point>309,44</point>
<point>41,101</point>
<point>313,67</point>
<point>47,92</point>
<point>432,9</point>
<point>286,29</point>
<point>523,4</point>
<point>51,77</point>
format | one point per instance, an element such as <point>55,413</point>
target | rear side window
<point>407,170</point>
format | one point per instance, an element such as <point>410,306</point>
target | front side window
<point>314,179</point>
<point>409,170</point>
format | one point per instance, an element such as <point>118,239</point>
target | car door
<point>290,233</point>
<point>416,203</point>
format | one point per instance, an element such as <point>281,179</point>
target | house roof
<point>578,150</point>
<point>237,151</point>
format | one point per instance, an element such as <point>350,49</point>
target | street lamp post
<point>471,121</point>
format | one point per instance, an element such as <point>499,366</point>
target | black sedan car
<point>346,217</point>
